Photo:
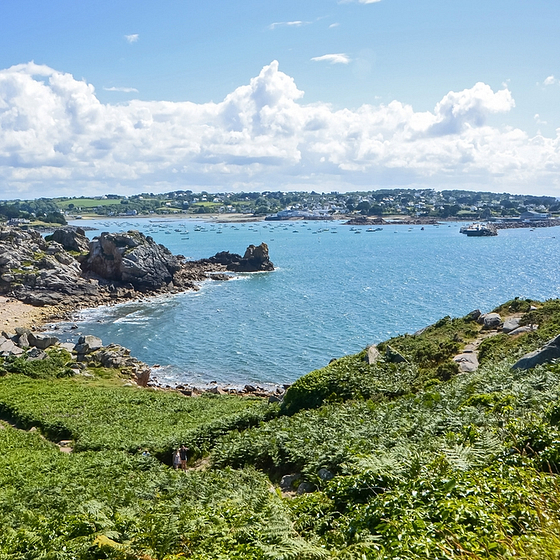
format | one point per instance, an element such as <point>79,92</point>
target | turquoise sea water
<point>336,290</point>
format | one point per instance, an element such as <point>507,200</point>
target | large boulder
<point>544,355</point>
<point>373,354</point>
<point>87,344</point>
<point>8,348</point>
<point>523,329</point>
<point>467,362</point>
<point>393,356</point>
<point>131,258</point>
<point>71,239</point>
<point>490,321</point>
<point>41,341</point>
<point>511,324</point>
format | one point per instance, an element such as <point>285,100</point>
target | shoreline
<point>51,324</point>
<point>55,307</point>
<point>215,218</point>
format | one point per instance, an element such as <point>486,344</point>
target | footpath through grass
<point>111,504</point>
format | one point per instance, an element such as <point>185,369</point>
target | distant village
<point>447,204</point>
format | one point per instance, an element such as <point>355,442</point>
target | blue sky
<point>132,96</point>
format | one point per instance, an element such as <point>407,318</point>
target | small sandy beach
<point>14,313</point>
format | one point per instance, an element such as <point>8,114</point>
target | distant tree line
<point>42,209</point>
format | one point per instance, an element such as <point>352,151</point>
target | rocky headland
<point>68,270</point>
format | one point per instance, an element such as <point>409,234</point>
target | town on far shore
<point>408,204</point>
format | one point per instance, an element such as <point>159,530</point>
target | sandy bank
<point>14,313</point>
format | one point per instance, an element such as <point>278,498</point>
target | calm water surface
<point>334,292</point>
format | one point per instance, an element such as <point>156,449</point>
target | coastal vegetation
<point>386,454</point>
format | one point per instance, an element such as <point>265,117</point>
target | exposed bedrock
<point>550,351</point>
<point>131,258</point>
<point>38,271</point>
<point>66,269</point>
<point>255,259</point>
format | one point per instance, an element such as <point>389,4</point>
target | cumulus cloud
<point>56,137</point>
<point>132,38</point>
<point>121,89</point>
<point>339,58</point>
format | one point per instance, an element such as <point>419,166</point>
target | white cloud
<point>132,38</point>
<point>121,89</point>
<point>288,24</point>
<point>332,25</point>
<point>549,81</point>
<point>57,138</point>
<point>538,120</point>
<point>339,58</point>
<point>359,1</point>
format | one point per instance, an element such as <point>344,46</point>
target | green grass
<point>101,415</point>
<point>87,203</point>
<point>470,410</point>
<point>427,360</point>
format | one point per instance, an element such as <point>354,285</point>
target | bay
<point>335,290</point>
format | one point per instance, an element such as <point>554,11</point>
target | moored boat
<point>479,230</point>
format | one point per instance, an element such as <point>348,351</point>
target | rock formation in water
<point>255,259</point>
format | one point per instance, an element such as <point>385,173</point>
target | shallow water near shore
<point>336,290</point>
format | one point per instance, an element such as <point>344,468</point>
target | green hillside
<point>405,457</point>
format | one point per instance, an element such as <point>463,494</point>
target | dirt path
<point>468,358</point>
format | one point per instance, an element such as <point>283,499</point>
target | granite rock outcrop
<point>38,271</point>
<point>131,258</point>
<point>66,270</point>
<point>550,351</point>
<point>255,259</point>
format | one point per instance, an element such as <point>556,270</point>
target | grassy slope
<point>101,414</point>
<point>426,463</point>
<point>113,505</point>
